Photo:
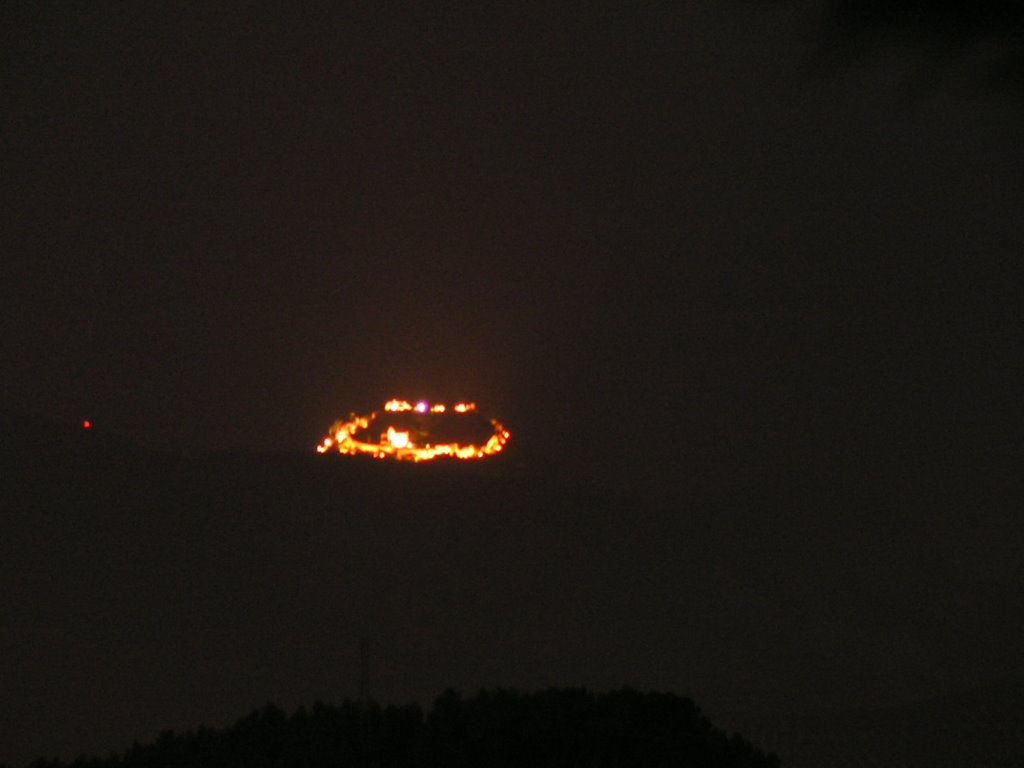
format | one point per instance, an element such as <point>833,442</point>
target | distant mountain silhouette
<point>147,589</point>
<point>494,728</point>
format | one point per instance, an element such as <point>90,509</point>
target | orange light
<point>398,439</point>
<point>349,437</point>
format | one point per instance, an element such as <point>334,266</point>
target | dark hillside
<point>500,728</point>
<point>147,590</point>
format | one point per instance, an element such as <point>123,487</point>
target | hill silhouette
<point>147,589</point>
<point>494,728</point>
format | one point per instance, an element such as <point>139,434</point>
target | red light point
<point>86,424</point>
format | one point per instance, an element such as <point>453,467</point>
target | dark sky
<point>225,227</point>
<point>673,246</point>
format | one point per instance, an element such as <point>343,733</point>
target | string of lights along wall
<point>421,431</point>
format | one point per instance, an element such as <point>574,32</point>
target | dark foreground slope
<point>501,728</point>
<point>144,590</point>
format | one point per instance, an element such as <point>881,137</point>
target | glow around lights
<point>400,406</point>
<point>355,436</point>
<point>397,439</point>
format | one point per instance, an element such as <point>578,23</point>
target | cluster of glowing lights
<point>400,406</point>
<point>351,437</point>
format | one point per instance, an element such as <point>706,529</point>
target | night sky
<point>681,251</point>
<point>226,227</point>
